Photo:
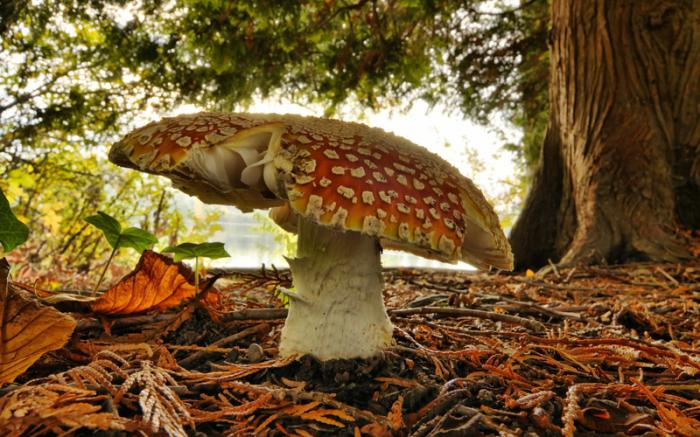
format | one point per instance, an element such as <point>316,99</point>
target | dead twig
<point>464,312</point>
<point>257,329</point>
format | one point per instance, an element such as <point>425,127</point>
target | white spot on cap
<point>385,197</point>
<point>370,165</point>
<point>378,176</point>
<point>453,198</point>
<point>403,231</point>
<point>303,139</point>
<point>434,213</point>
<point>421,237</point>
<point>331,154</point>
<point>364,151</point>
<point>317,137</point>
<point>371,225</point>
<point>410,199</point>
<point>420,214</point>
<point>294,194</point>
<point>446,245</point>
<point>403,168</point>
<point>403,208</point>
<point>358,172</point>
<point>352,158</point>
<point>303,179</point>
<point>402,180</point>
<point>308,166</point>
<point>430,200</point>
<point>338,170</point>
<point>325,182</point>
<point>381,213</point>
<point>346,192</point>
<point>339,217</point>
<point>445,207</point>
<point>368,197</point>
<point>214,137</point>
<point>315,206</point>
<point>184,141</point>
<point>389,171</point>
<point>418,185</point>
<point>376,155</point>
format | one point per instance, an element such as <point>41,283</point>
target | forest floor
<point>605,350</point>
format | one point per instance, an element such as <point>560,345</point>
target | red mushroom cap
<point>340,174</point>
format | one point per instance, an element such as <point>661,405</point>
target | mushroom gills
<point>241,161</point>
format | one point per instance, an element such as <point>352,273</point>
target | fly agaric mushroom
<point>347,189</point>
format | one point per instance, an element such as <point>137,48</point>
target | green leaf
<point>108,225</point>
<point>192,250</point>
<point>137,238</point>
<point>12,231</point>
<point>130,237</point>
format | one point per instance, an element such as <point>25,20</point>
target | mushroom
<point>347,189</point>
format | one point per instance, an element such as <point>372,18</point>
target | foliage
<point>197,251</point>
<point>12,231</point>
<point>117,237</point>
<point>77,75</point>
<point>90,71</point>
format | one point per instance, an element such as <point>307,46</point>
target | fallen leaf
<point>27,329</point>
<point>156,283</point>
<point>395,415</point>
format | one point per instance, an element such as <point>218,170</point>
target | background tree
<point>620,165</point>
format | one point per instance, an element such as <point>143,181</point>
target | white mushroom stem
<point>337,310</point>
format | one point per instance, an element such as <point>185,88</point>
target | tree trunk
<point>620,166</point>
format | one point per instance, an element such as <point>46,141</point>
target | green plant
<point>12,231</point>
<point>196,251</point>
<point>117,237</point>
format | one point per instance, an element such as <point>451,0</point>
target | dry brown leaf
<point>27,329</point>
<point>395,415</point>
<point>163,410</point>
<point>322,415</point>
<point>50,408</point>
<point>376,430</point>
<point>156,283</point>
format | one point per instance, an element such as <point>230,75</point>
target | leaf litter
<point>601,350</point>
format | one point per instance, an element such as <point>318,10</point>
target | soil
<point>607,350</point>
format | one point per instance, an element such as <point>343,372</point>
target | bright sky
<point>445,134</point>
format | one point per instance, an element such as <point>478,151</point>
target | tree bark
<point>620,165</point>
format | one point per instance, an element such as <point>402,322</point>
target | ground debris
<point>605,350</point>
